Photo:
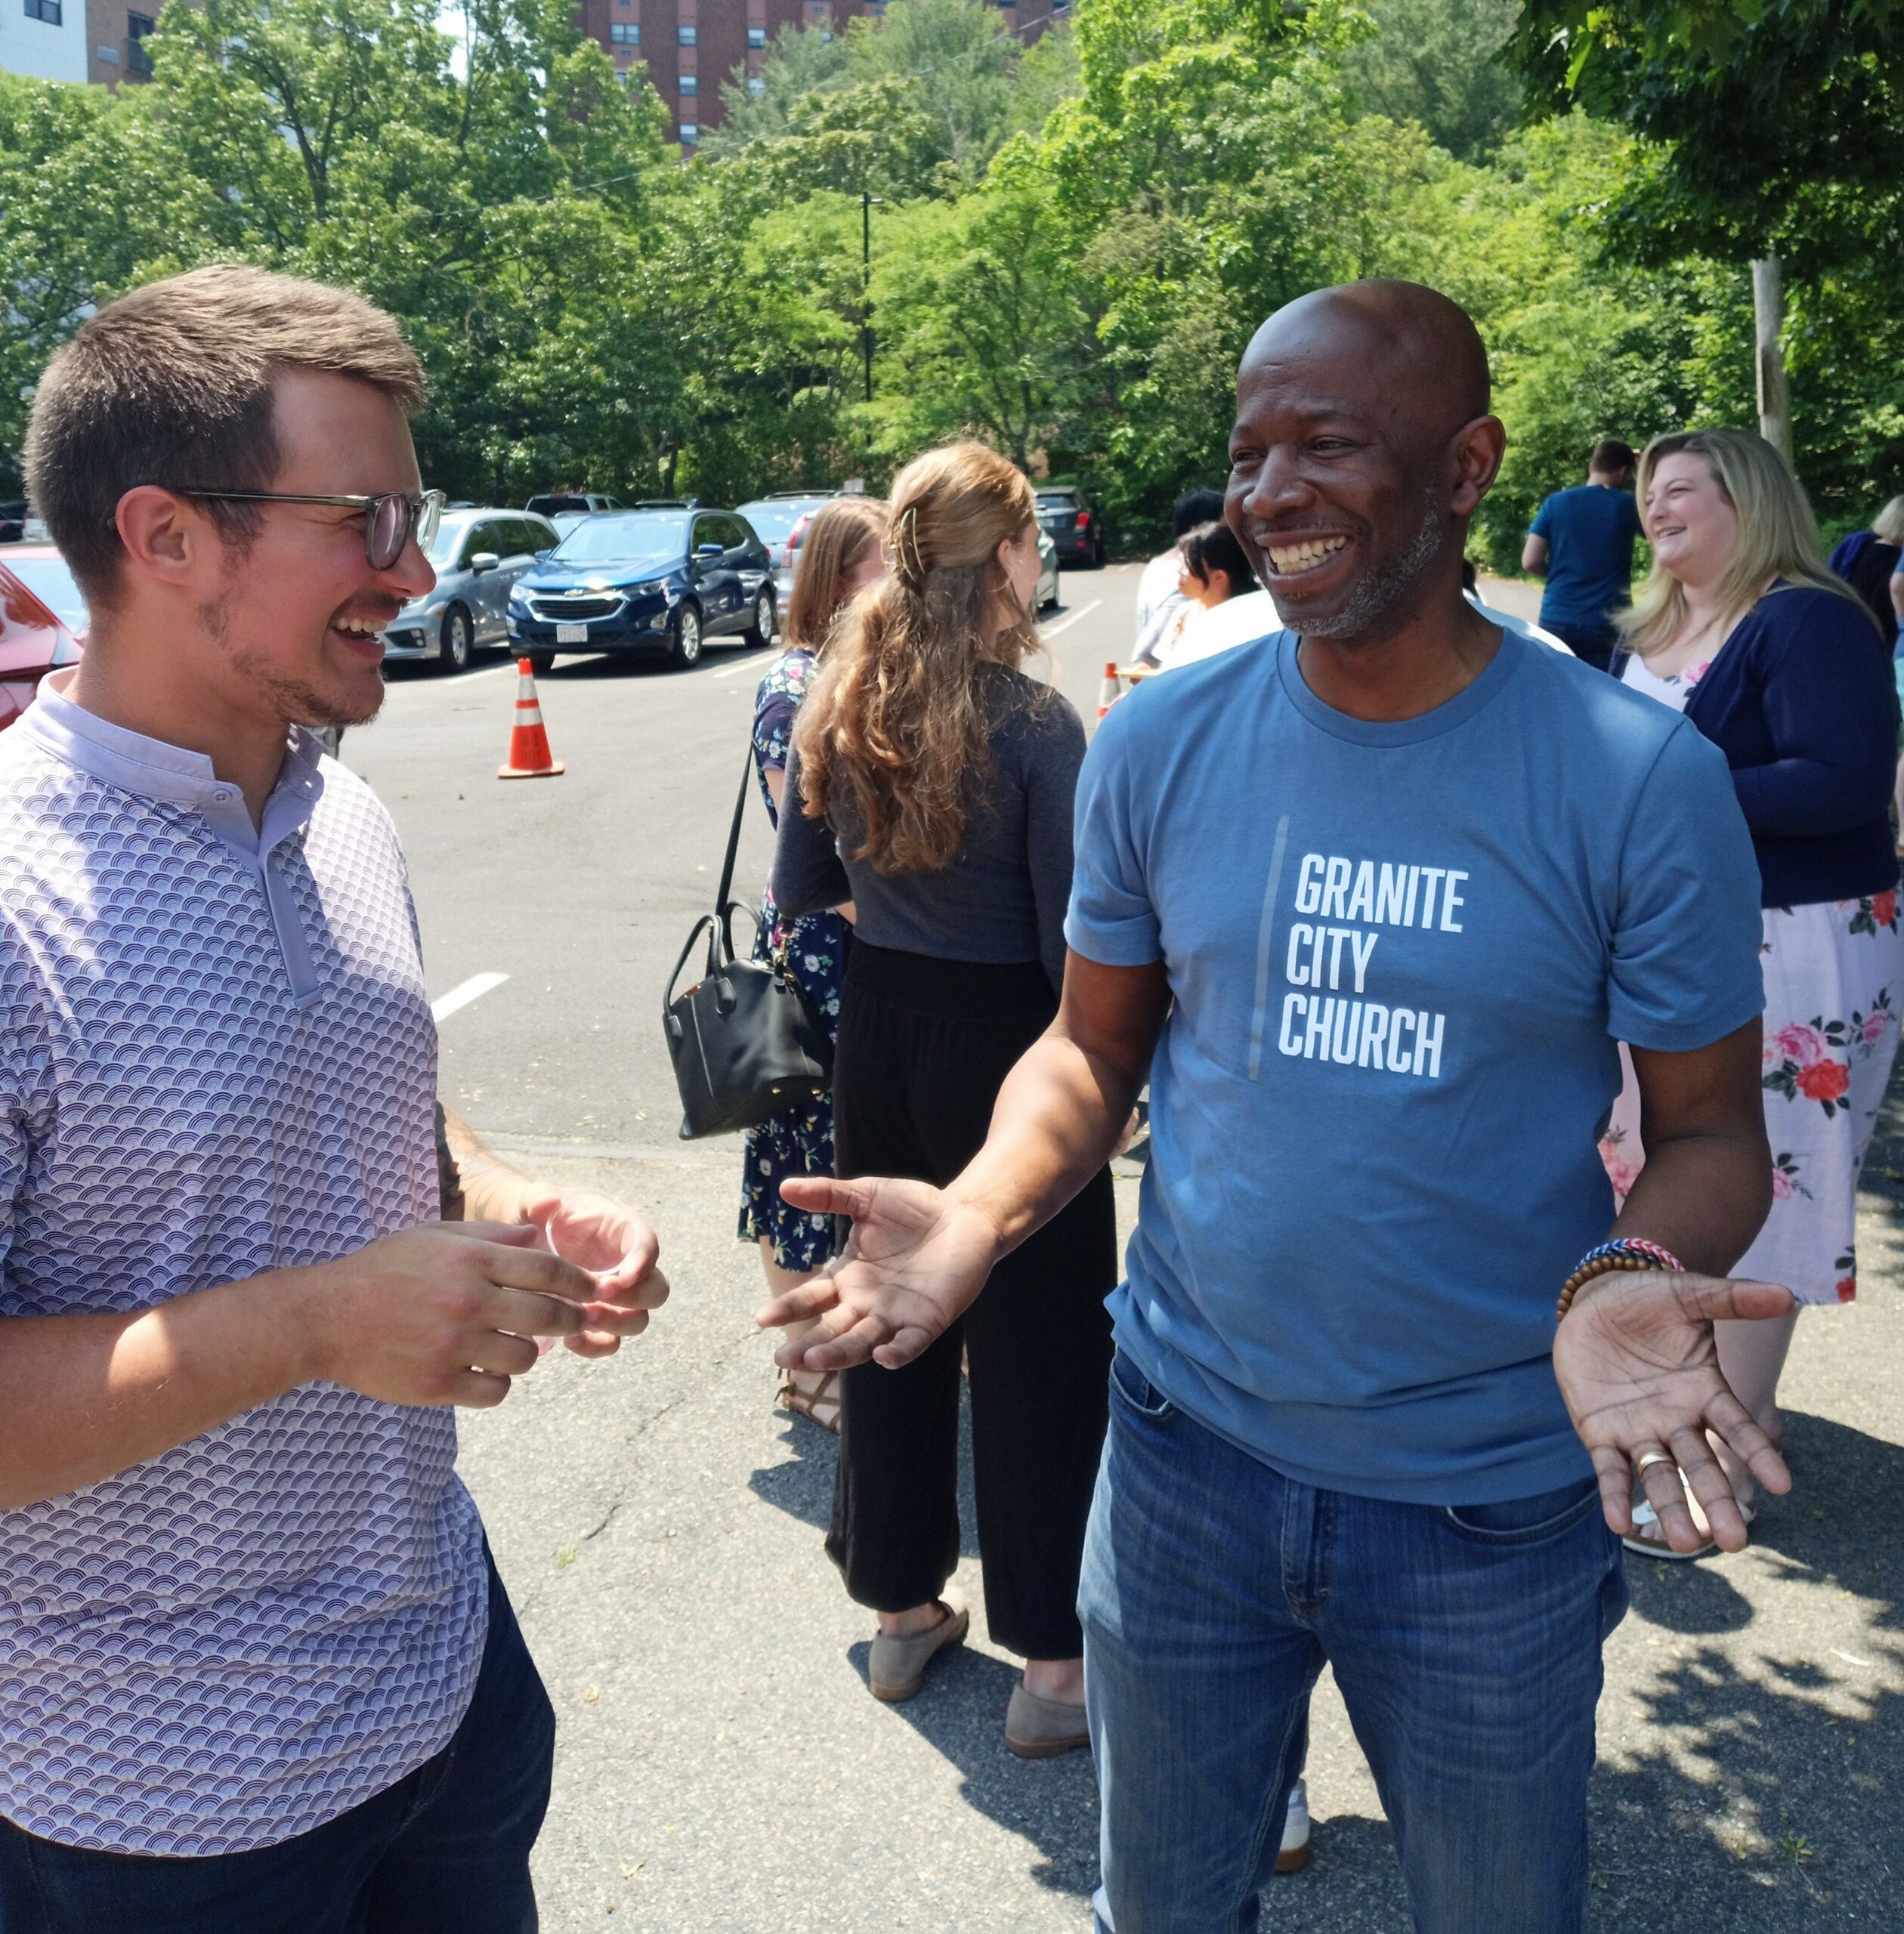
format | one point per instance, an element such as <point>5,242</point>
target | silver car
<point>776,518</point>
<point>478,555</point>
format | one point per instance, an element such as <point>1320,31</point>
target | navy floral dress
<point>811,952</point>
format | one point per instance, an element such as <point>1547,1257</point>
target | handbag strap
<point>722,892</point>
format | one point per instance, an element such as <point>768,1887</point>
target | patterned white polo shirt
<point>216,1058</point>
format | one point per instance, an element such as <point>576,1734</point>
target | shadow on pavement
<point>1052,1803</point>
<point>803,1486</point>
<point>1770,1803</point>
<point>1774,1814</point>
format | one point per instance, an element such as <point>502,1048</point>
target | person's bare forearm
<point>1704,1197</point>
<point>85,1397</point>
<point>482,1186</point>
<point>1707,1184</point>
<point>1056,1122</point>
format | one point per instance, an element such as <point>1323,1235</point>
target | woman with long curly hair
<point>934,782</point>
<point>841,557</point>
<point>1742,627</point>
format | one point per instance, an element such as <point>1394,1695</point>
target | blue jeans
<point>1465,1640</point>
<point>444,1851</point>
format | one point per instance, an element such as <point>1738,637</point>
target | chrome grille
<point>568,610</point>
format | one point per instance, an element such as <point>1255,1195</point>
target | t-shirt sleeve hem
<point>1131,944</point>
<point>1687,1037</point>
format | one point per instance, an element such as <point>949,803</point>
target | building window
<point>690,134</point>
<point>138,62</point>
<point>690,86</point>
<point>756,84</point>
<point>756,36</point>
<point>685,36</point>
<point>625,33</point>
<point>47,10</point>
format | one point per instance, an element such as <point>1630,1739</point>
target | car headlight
<point>518,598</point>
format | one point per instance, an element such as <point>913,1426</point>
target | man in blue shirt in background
<point>1371,901</point>
<point>1581,542</point>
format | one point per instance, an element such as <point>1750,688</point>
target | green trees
<point>1437,62</point>
<point>1772,134</point>
<point>1070,244</point>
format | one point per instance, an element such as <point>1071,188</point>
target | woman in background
<point>1213,570</point>
<point>1742,627</point>
<point>937,784</point>
<point>841,557</point>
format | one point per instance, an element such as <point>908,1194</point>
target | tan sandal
<point>811,1393</point>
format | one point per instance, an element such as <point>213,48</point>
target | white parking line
<point>741,664</point>
<point>1064,623</point>
<point>472,989</point>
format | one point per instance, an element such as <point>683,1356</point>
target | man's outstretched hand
<point>916,1261</point>
<point>1637,1365</point>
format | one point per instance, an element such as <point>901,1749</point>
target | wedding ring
<point>1647,1459</point>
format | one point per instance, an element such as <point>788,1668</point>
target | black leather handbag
<point>745,1041</point>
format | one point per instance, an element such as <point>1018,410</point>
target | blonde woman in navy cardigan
<point>1742,626</point>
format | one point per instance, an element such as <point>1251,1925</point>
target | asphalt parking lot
<point>720,1764</point>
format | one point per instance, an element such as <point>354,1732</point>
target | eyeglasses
<point>391,518</point>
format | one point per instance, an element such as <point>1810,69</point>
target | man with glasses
<point>257,1671</point>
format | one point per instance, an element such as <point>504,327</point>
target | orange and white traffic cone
<point>528,756</point>
<point>1110,692</point>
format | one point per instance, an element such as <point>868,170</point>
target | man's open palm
<point>1640,1370</point>
<point>915,1262</point>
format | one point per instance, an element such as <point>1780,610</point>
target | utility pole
<point>1774,389</point>
<point>867,204</point>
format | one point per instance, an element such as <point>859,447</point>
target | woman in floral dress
<point>842,554</point>
<point>1741,627</point>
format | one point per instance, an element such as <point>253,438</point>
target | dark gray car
<point>478,555</point>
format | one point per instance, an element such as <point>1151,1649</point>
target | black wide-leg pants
<point>924,1046</point>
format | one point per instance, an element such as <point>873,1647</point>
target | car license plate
<point>571,634</point>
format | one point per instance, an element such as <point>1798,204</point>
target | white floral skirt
<point>1833,981</point>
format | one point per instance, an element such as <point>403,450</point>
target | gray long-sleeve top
<point>1002,897</point>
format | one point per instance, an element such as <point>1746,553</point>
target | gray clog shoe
<point>898,1665</point>
<point>1038,1728</point>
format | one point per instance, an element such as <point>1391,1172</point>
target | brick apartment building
<point>114,31</point>
<point>691,47</point>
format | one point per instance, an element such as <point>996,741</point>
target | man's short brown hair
<point>171,385</point>
<point>1611,458</point>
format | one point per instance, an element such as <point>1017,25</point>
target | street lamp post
<point>867,204</point>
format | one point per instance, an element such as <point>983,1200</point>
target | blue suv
<point>660,579</point>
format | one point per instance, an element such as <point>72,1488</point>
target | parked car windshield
<point>637,539</point>
<point>49,581</point>
<point>1057,500</point>
<point>449,534</point>
<point>773,518</point>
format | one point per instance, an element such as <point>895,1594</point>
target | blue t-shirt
<point>1401,955</point>
<point>1590,531</point>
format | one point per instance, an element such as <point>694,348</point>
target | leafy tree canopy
<point>1072,241</point>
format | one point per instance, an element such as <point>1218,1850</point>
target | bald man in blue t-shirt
<point>1370,902</point>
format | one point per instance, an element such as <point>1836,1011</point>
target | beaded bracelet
<point>1623,1252</point>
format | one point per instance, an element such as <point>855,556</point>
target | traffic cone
<point>529,757</point>
<point>1110,692</point>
